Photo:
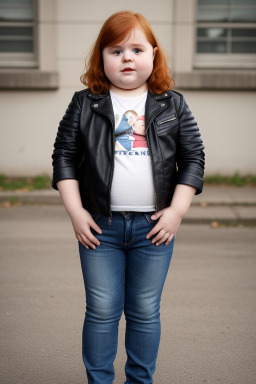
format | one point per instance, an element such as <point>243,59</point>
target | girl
<point>126,205</point>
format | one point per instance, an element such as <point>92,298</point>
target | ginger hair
<point>114,30</point>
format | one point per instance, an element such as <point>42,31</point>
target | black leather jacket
<point>84,147</point>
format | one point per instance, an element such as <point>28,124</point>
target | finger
<point>159,236</point>
<point>87,241</point>
<point>95,227</point>
<point>169,239</point>
<point>90,237</point>
<point>165,237</point>
<point>81,241</point>
<point>153,231</point>
<point>156,215</point>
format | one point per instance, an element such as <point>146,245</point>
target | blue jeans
<point>126,272</point>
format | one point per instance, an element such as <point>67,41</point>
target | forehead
<point>136,36</point>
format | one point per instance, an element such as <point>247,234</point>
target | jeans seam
<point>133,233</point>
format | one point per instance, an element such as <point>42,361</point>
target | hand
<point>82,221</point>
<point>166,227</point>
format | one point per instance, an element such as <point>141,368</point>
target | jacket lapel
<point>153,108</point>
<point>104,107</point>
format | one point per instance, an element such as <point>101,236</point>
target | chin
<point>132,86</point>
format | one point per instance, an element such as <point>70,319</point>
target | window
<point>18,34</point>
<point>226,34</point>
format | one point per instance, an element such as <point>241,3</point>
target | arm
<point>171,216</point>
<point>190,149</point>
<point>66,157</point>
<point>68,150</point>
<point>190,162</point>
<point>182,198</point>
<point>80,218</point>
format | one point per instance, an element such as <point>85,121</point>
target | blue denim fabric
<point>125,272</point>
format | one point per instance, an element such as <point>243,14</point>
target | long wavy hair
<point>114,30</point>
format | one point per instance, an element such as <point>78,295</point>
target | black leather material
<point>84,147</point>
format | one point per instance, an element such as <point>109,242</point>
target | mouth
<point>127,69</point>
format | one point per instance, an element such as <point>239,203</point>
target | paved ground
<point>208,306</point>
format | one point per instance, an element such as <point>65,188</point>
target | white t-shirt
<point>132,187</point>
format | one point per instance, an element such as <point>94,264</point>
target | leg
<point>146,270</point>
<point>104,276</point>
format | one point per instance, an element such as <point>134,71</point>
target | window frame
<point>22,59</point>
<point>226,60</point>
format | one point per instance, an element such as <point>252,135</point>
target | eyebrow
<point>132,45</point>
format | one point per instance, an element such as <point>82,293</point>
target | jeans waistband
<point>127,213</point>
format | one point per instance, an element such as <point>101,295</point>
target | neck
<point>129,92</point>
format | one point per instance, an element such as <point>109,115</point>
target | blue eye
<point>117,52</point>
<point>137,50</point>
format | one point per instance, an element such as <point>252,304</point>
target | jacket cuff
<point>66,173</point>
<point>191,179</point>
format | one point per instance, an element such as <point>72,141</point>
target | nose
<point>127,57</point>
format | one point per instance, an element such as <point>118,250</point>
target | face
<point>129,64</point>
<point>131,118</point>
<point>139,127</point>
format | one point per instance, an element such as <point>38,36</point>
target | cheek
<point>109,66</point>
<point>147,64</point>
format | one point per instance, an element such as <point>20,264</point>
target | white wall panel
<point>70,72</point>
<point>91,11</point>
<point>183,51</point>
<point>76,40</point>
<point>226,122</point>
<point>29,130</point>
<point>48,46</point>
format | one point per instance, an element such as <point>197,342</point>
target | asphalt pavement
<point>208,307</point>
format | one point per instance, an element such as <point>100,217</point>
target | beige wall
<point>67,29</point>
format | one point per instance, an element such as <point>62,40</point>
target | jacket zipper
<point>166,121</point>
<point>154,178</point>
<point>153,170</point>
<point>111,171</point>
<point>111,175</point>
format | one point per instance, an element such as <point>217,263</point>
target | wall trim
<point>28,79</point>
<point>216,80</point>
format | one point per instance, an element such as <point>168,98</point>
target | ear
<point>154,52</point>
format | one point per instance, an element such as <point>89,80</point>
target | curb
<point>217,207</point>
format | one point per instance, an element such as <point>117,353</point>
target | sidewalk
<point>222,204</point>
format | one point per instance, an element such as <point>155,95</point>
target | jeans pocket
<point>147,216</point>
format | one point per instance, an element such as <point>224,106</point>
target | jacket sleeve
<point>191,157</point>
<point>67,153</point>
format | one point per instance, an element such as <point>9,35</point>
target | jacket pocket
<point>165,124</point>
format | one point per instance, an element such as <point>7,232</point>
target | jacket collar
<point>154,105</point>
<point>156,97</point>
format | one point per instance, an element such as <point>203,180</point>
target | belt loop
<point>126,213</point>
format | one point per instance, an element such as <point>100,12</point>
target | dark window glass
<point>16,10</point>
<point>16,46</point>
<point>220,36</point>
<point>211,47</point>
<point>242,47</point>
<point>243,15</point>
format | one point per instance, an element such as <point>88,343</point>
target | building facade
<point>211,49</point>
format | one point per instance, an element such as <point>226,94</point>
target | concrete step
<point>219,205</point>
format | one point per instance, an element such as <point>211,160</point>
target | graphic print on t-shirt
<point>132,187</point>
<point>130,132</point>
